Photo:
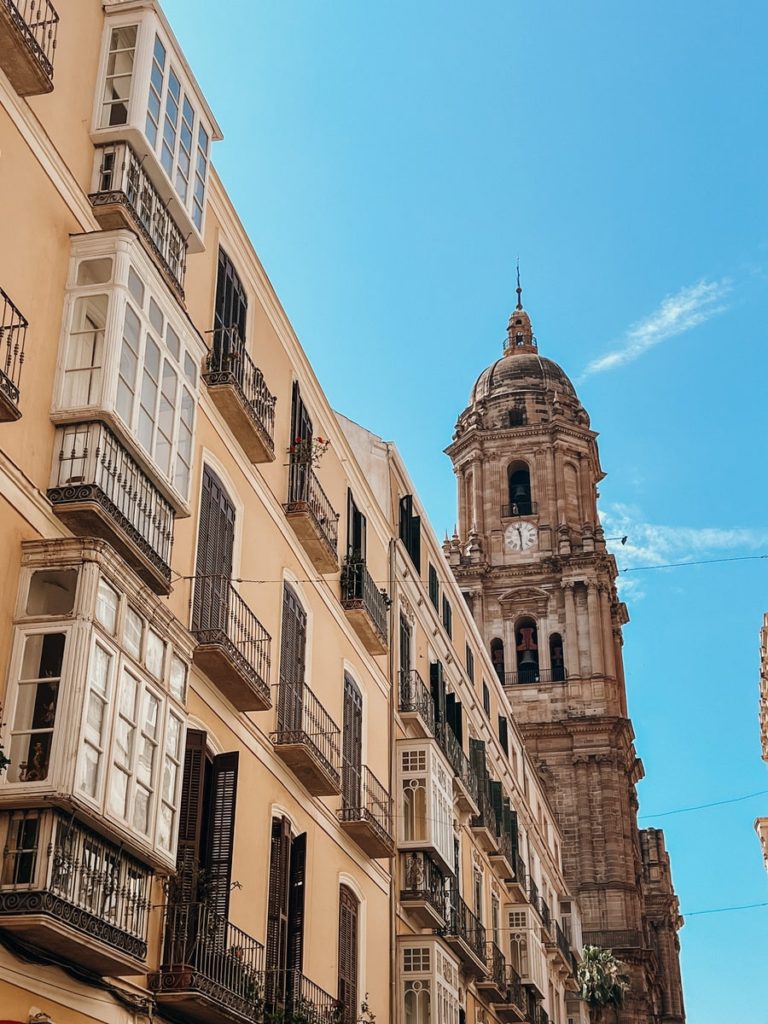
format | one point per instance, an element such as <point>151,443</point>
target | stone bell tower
<point>530,555</point>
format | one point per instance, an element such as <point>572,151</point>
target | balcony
<point>312,517</point>
<point>27,44</point>
<point>464,776</point>
<point>233,648</point>
<point>415,704</point>
<point>533,894</point>
<point>98,490</point>
<point>502,858</point>
<point>66,890</point>
<point>236,386</point>
<point>559,946</point>
<point>546,918</point>
<point>366,812</point>
<point>307,739</point>
<point>510,1004</point>
<point>422,889</point>
<point>613,938</point>
<point>494,984</point>
<point>536,675</point>
<point>465,934</point>
<point>517,884</point>
<point>365,605</point>
<point>290,998</point>
<point>484,825</point>
<point>519,508</point>
<point>124,196</point>
<point>211,972</point>
<point>13,334</point>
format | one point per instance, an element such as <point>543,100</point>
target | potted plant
<point>603,982</point>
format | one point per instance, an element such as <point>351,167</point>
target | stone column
<point>463,526</point>
<point>480,496</point>
<point>605,617</point>
<point>561,515</point>
<point>587,502</point>
<point>595,633</point>
<point>548,506</point>
<point>571,638</point>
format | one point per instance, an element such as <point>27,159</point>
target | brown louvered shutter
<point>293,640</point>
<point>277,910</point>
<point>352,743</point>
<point>296,889</point>
<point>347,991</point>
<point>215,543</point>
<point>221,830</point>
<point>191,815</point>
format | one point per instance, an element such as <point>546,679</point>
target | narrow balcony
<point>211,972</point>
<point>415,704</point>
<point>465,935</point>
<point>422,889</point>
<point>560,947</point>
<point>98,490</point>
<point>290,998</point>
<point>546,918</point>
<point>510,1005</point>
<point>366,812</point>
<point>533,894</point>
<point>517,885</point>
<point>27,44</point>
<point>312,517</point>
<point>307,739</point>
<point>124,196</point>
<point>13,334</point>
<point>528,676</point>
<point>502,858</point>
<point>66,890</point>
<point>614,938</point>
<point>484,825</point>
<point>233,648</point>
<point>237,388</point>
<point>494,983</point>
<point>365,605</point>
<point>465,781</point>
<point>525,507</point>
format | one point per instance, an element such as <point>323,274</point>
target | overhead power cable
<point>723,910</point>
<point>701,807</point>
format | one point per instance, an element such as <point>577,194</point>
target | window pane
<point>107,602</point>
<point>132,633</point>
<point>155,654</point>
<point>52,592</point>
<point>178,682</point>
<point>118,792</point>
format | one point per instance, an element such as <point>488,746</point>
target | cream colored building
<point>201,677</point>
<point>761,824</point>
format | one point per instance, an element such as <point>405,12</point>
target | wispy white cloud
<point>657,544</point>
<point>678,313</point>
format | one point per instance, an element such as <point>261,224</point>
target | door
<point>348,938</point>
<point>293,643</point>
<point>356,531</point>
<point>352,744</point>
<point>215,544</point>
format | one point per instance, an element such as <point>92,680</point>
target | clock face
<point>520,536</point>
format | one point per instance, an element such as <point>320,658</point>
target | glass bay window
<point>425,793</point>
<point>95,706</point>
<point>130,356</point>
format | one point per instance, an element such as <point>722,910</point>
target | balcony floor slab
<point>230,673</point>
<point>241,420</point>
<point>313,540</point>
<point>18,59</point>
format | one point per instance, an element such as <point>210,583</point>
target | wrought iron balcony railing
<point>359,593</point>
<point>312,515</point>
<point>307,738</point>
<point>416,698</point>
<point>80,885</point>
<point>28,30</point>
<point>13,334</point>
<point>252,416</point>
<point>421,880</point>
<point>519,508</point>
<point>533,894</point>
<point>233,646</point>
<point>562,943</point>
<point>100,490</point>
<point>497,967</point>
<point>366,810</point>
<point>486,819</point>
<point>123,184</point>
<point>458,760</point>
<point>514,994</point>
<point>614,938</point>
<point>208,964</point>
<point>536,675</point>
<point>463,929</point>
<point>290,998</point>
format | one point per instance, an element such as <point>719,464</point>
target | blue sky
<point>391,160</point>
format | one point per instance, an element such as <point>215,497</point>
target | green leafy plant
<point>308,451</point>
<point>603,981</point>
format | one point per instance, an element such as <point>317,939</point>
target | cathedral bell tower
<point>530,555</point>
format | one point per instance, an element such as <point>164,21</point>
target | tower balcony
<point>515,509</point>
<point>365,605</point>
<point>307,739</point>
<point>124,196</point>
<point>422,889</point>
<point>13,334</point>
<point>312,517</point>
<point>366,812</point>
<point>237,388</point>
<point>98,490</point>
<point>614,938</point>
<point>465,935</point>
<point>233,648</point>
<point>66,890</point>
<point>528,676</point>
<point>27,44</point>
<point>211,971</point>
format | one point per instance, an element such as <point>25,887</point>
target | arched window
<point>527,651</point>
<point>348,941</point>
<point>556,658</point>
<point>497,657</point>
<point>519,481</point>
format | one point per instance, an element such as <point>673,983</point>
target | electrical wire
<point>700,561</point>
<point>723,910</point>
<point>701,807</point>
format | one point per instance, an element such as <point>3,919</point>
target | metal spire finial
<point>519,289</point>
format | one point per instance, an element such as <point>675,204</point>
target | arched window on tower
<point>556,658</point>
<point>527,651</point>
<point>519,480</point>
<point>497,657</point>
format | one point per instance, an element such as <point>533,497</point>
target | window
<point>527,649</point>
<point>117,85</point>
<point>517,416</point>
<point>426,802</point>
<point>433,586</point>
<point>410,530</point>
<point>356,531</point>
<point>352,744</point>
<point>470,658</point>
<point>406,642</point>
<point>293,641</point>
<point>519,480</point>
<point>35,716</point>
<point>556,659</point>
<point>496,920</point>
<point>497,657</point>
<point>347,959</point>
<point>213,571</point>
<point>285,912</point>
<point>430,984</point>
<point>85,351</point>
<point>504,734</point>
<point>478,893</point>
<point>447,617</point>
<point>156,82</point>
<point>486,698</point>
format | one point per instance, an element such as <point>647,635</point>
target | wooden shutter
<point>231,301</point>
<point>296,888</point>
<point>454,716</point>
<point>352,743</point>
<point>215,543</point>
<point>221,830</point>
<point>405,645</point>
<point>277,909</point>
<point>497,798</point>
<point>191,815</point>
<point>437,684</point>
<point>477,759</point>
<point>504,734</point>
<point>348,939</point>
<point>293,642</point>
<point>356,530</point>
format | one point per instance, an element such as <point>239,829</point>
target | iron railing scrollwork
<point>306,494</point>
<point>13,334</point>
<point>562,942</point>
<point>421,879</point>
<point>364,798</point>
<point>496,965</point>
<point>524,507</point>
<point>458,760</point>
<point>229,363</point>
<point>302,719</point>
<point>38,22</point>
<point>558,674</point>
<point>290,997</point>
<point>463,924</point>
<point>415,697</point>
<point>358,590</point>
<point>614,938</point>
